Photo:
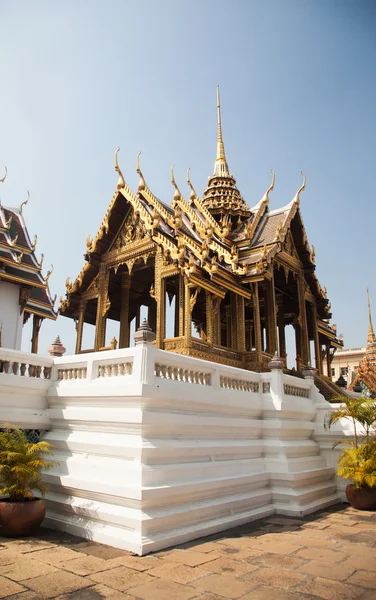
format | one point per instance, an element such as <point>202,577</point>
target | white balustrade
<point>175,373</point>
<point>24,364</point>
<point>240,385</point>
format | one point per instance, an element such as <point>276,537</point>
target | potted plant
<point>21,466</point>
<point>358,461</point>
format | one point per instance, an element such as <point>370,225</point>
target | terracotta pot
<point>19,519</point>
<point>361,498</point>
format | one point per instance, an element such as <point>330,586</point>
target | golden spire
<point>220,166</point>
<point>371,339</point>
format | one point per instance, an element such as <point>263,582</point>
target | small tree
<point>21,465</point>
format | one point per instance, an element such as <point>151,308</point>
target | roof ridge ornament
<point>5,176</point>
<point>302,187</point>
<point>193,194</point>
<point>265,197</point>
<point>25,202</point>
<point>121,182</point>
<point>177,194</point>
<point>142,184</point>
<point>48,274</point>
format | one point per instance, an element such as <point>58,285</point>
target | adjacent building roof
<point>19,265</point>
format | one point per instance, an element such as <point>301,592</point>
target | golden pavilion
<point>237,275</point>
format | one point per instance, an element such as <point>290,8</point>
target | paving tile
<point>278,560</point>
<point>97,592</point>
<point>225,586</point>
<point>242,542</point>
<point>8,587</point>
<point>7,557</point>
<point>178,572</point>
<point>290,537</point>
<point>321,554</point>
<point>279,547</point>
<point>28,545</point>
<point>191,558</point>
<point>138,563</point>
<point>57,583</point>
<point>236,553</point>
<point>121,578</point>
<point>206,547</point>
<point>314,525</point>
<point>210,596</point>
<point>85,565</point>
<point>161,589</point>
<point>279,578</point>
<point>25,596</point>
<point>105,552</point>
<point>228,566</point>
<point>25,568</point>
<point>330,590</point>
<point>364,578</point>
<point>269,593</point>
<point>339,572</point>
<point>362,561</point>
<point>56,555</point>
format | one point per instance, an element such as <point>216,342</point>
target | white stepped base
<point>129,540</point>
<point>296,510</point>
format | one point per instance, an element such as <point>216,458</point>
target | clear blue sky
<point>78,79</point>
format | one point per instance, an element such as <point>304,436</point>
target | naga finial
<point>141,184</point>
<point>302,187</point>
<point>14,240</point>
<point>193,194</point>
<point>25,202</point>
<point>5,176</point>
<point>48,274</point>
<point>19,258</point>
<point>270,188</point>
<point>34,244</point>
<point>41,260</point>
<point>9,222</point>
<point>121,182</point>
<point>177,194</point>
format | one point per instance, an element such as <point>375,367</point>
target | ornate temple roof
<point>18,263</point>
<point>217,236</point>
<point>367,367</point>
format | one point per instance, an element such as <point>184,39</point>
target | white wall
<point>10,317</point>
<point>155,448</point>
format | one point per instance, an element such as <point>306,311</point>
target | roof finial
<point>25,202</point>
<point>265,197</point>
<point>177,194</point>
<point>220,167</point>
<point>142,184</point>
<point>302,187</point>
<point>121,182</point>
<point>5,176</point>
<point>371,334</point>
<point>193,194</point>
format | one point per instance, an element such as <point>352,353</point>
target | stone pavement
<point>329,555</point>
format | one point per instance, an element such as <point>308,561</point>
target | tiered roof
<point>18,263</point>
<point>367,367</point>
<point>217,236</point>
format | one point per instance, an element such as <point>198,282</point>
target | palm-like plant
<point>358,462</point>
<point>359,465</point>
<point>21,465</point>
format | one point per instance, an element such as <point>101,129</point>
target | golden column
<point>273,339</point>
<point>160,297</point>
<point>80,325</point>
<point>303,320</point>
<point>318,354</point>
<point>209,320</point>
<point>124,337</point>
<point>257,323</point>
<point>102,307</point>
<point>281,327</point>
<point>328,361</point>
<point>241,323</point>
<point>189,303</point>
<point>37,322</point>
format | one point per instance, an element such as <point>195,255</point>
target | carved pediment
<point>132,230</point>
<point>289,246</point>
